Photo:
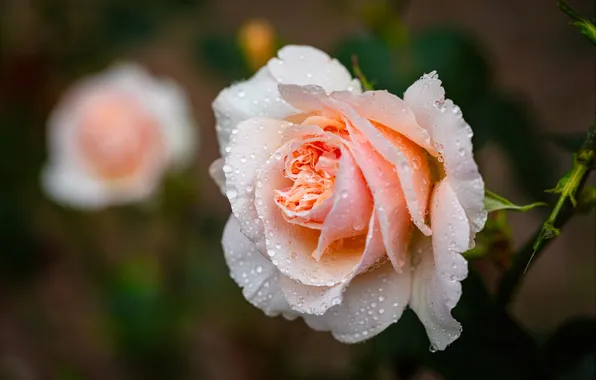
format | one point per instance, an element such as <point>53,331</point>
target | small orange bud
<point>257,41</point>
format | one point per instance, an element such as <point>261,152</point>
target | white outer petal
<point>366,311</point>
<point>304,65</point>
<point>255,274</point>
<point>439,267</point>
<point>217,174</point>
<point>452,137</point>
<point>259,95</point>
<point>255,97</point>
<point>255,140</point>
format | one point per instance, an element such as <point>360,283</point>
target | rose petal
<point>257,277</point>
<point>170,105</point>
<point>391,111</point>
<point>441,267</point>
<point>163,98</point>
<point>259,95</point>
<point>68,177</point>
<point>75,188</point>
<point>291,246</point>
<point>413,182</point>
<point>256,139</point>
<point>296,136</point>
<point>352,205</point>
<point>453,138</point>
<point>255,97</point>
<point>217,174</point>
<point>372,302</point>
<point>304,98</point>
<point>389,201</point>
<point>317,299</point>
<point>304,65</point>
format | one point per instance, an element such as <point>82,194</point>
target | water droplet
<point>227,168</point>
<point>416,163</point>
<point>231,193</point>
<point>359,224</point>
<point>259,269</point>
<point>432,348</point>
<point>344,193</point>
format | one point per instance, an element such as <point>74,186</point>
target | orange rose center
<point>312,168</point>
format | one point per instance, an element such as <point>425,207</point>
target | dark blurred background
<point>143,292</point>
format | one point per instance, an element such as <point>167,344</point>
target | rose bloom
<point>112,137</point>
<point>348,206</point>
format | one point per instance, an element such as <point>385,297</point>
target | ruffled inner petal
<point>416,204</point>
<point>352,205</point>
<point>318,299</point>
<point>290,246</point>
<point>387,109</point>
<point>389,201</point>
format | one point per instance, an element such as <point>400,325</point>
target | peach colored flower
<point>112,137</point>
<point>347,206</point>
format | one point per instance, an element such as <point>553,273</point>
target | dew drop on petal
<point>231,193</point>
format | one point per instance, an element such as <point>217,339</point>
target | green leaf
<point>495,202</point>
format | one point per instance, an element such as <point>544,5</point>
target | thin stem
<point>360,75</point>
<point>570,185</point>
<point>586,27</point>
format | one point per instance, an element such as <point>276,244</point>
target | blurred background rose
<point>142,292</point>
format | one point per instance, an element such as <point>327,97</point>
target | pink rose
<point>112,137</point>
<point>347,206</point>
